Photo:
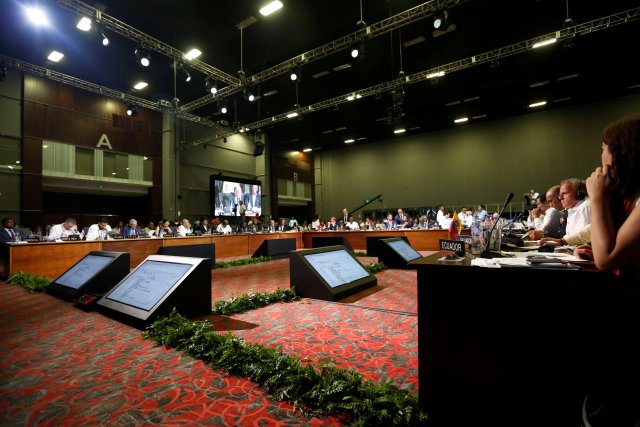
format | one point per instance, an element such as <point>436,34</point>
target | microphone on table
<point>486,253</point>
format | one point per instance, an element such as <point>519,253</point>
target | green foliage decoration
<point>243,261</point>
<point>31,282</point>
<point>375,267</point>
<point>312,390</point>
<point>253,300</point>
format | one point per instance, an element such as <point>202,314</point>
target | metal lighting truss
<point>101,90</point>
<point>380,28</point>
<point>146,40</point>
<point>482,58</point>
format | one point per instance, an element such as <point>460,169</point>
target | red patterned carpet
<point>62,366</point>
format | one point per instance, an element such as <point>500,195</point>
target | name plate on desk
<point>452,245</point>
<point>466,239</point>
<point>71,237</point>
<point>34,239</point>
<point>117,236</point>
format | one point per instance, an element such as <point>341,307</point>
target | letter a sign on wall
<point>104,141</point>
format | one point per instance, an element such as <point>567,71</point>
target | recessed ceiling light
<point>537,84</point>
<point>537,104</point>
<point>566,98</point>
<point>475,98</point>
<point>361,138</point>
<point>461,120</point>
<point>415,41</point>
<point>449,104</point>
<point>192,54</point>
<point>342,67</point>
<point>140,85</point>
<point>55,56</point>
<point>327,131</point>
<point>480,116</point>
<point>271,7</point>
<point>84,24</point>
<point>341,128</point>
<point>306,150</point>
<point>349,141</point>
<point>567,77</point>
<point>320,74</point>
<point>400,130</point>
<point>546,42</point>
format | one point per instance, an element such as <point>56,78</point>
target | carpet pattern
<point>60,365</point>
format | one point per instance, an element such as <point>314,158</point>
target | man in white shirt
<point>352,225</point>
<point>315,224</point>
<point>573,198</point>
<point>440,216</point>
<point>98,231</point>
<point>185,228</point>
<point>224,227</point>
<point>65,229</point>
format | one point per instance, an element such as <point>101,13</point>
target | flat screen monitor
<point>158,285</point>
<point>227,192</point>
<point>404,249</point>
<point>84,270</point>
<point>95,273</point>
<point>337,267</point>
<point>329,273</point>
<point>148,283</point>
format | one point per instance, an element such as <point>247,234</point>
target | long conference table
<point>51,259</point>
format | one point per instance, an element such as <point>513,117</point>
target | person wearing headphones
<point>573,196</point>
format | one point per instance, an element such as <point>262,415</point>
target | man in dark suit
<point>234,200</point>
<point>282,226</point>
<point>252,201</point>
<point>8,233</point>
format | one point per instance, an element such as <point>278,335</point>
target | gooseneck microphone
<point>486,253</point>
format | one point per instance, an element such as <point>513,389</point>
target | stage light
<point>140,85</point>
<point>144,57</point>
<point>55,56</point>
<point>186,75</point>
<point>440,19</point>
<point>192,54</point>
<point>132,110</point>
<point>357,52</point>
<point>222,106</point>
<point>211,85</point>
<point>295,75</point>
<point>84,24</point>
<point>105,39</point>
<point>248,94</point>
<point>37,16</point>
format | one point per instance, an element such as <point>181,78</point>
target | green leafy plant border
<point>243,261</point>
<point>312,390</point>
<point>253,300</point>
<point>31,282</point>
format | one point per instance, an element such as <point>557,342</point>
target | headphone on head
<point>581,193</point>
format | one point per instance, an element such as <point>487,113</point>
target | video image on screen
<point>227,194</point>
<point>83,271</point>
<point>336,267</point>
<point>404,250</point>
<point>148,283</point>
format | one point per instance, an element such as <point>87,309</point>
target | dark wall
<point>53,111</point>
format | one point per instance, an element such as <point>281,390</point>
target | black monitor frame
<point>390,257</point>
<point>309,283</point>
<point>101,281</point>
<point>190,295</point>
